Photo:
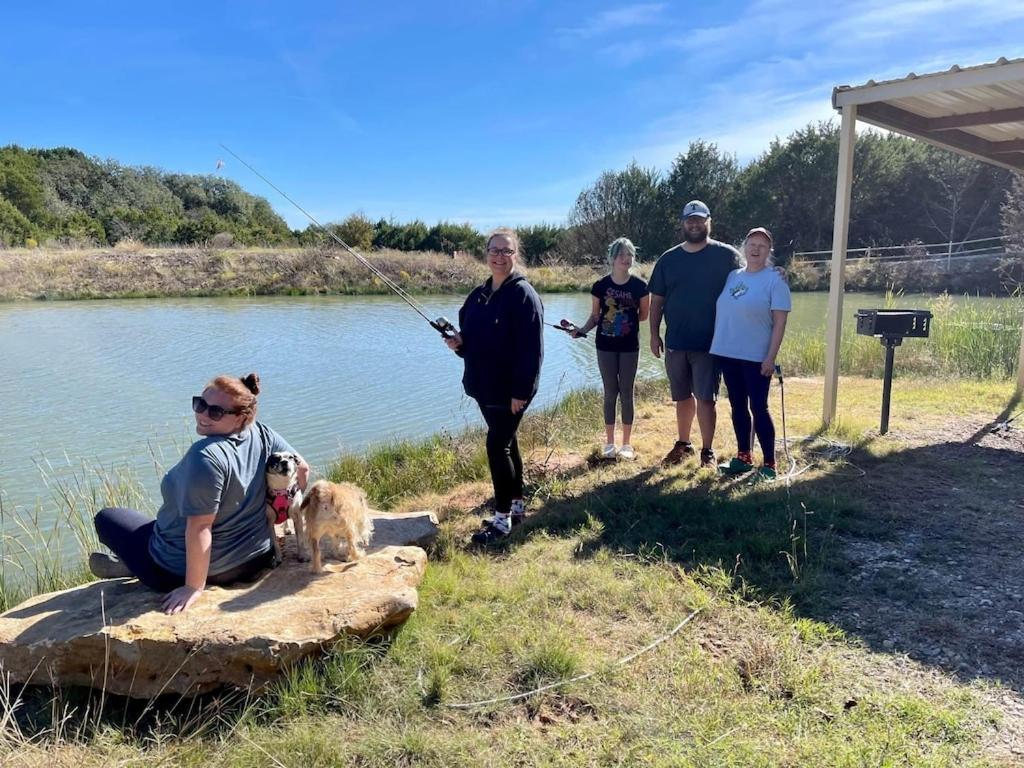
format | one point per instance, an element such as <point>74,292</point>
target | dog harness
<point>281,501</point>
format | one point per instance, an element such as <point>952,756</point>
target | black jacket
<point>502,341</point>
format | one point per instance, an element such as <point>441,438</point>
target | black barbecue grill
<point>891,326</point>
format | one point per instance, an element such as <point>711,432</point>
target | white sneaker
<point>608,451</point>
<point>626,452</point>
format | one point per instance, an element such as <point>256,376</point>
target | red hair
<point>242,391</point>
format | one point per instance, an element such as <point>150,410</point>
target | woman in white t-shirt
<point>750,321</point>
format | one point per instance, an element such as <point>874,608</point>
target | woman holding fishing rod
<point>620,301</point>
<point>500,339</point>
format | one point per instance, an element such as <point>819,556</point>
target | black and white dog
<point>284,497</point>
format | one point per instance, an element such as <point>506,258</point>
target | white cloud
<point>616,19</point>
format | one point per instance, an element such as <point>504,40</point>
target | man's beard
<point>695,237</point>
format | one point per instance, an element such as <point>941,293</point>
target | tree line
<point>904,191</point>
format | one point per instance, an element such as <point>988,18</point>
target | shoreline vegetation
<point>131,270</point>
<point>613,555</point>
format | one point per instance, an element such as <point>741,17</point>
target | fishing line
<point>441,325</point>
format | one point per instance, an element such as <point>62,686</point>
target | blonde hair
<point>618,245</point>
<point>505,232</point>
<point>242,391</point>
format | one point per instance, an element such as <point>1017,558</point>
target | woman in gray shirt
<point>750,320</point>
<point>212,526</point>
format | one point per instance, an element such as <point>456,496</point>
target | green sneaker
<point>767,473</point>
<point>736,466</point>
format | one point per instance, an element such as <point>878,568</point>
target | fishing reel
<point>444,326</point>
<point>568,327</point>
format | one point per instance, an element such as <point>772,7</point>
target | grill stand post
<point>890,343</point>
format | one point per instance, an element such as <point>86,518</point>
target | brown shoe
<point>707,458</point>
<point>678,454</point>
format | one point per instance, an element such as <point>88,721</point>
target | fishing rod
<point>567,327</point>
<point>442,325</point>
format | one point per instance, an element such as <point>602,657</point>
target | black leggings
<point>748,393</point>
<point>126,533</point>
<point>503,454</point>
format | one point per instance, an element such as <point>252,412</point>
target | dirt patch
<point>933,570</point>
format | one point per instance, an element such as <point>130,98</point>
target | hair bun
<point>252,383</point>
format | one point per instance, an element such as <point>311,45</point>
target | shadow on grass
<point>919,556</point>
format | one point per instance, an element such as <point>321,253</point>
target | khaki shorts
<point>691,374</point>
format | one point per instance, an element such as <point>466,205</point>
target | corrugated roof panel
<point>956,91</point>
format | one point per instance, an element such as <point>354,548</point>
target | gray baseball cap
<point>696,208</point>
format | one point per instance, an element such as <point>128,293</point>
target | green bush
<point>356,231</point>
<point>446,237</point>
<point>15,227</point>
<point>539,240</point>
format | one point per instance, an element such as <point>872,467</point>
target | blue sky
<point>488,112</point>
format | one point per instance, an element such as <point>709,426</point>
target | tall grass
<point>966,339</point>
<point>44,549</point>
<point>438,463</point>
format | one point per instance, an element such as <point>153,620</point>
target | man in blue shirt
<point>684,286</point>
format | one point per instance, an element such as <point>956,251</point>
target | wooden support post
<point>837,283</point>
<point>1020,365</point>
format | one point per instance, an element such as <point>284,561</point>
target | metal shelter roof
<point>978,111</point>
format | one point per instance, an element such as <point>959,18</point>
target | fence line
<point>902,259</point>
<point>897,247</point>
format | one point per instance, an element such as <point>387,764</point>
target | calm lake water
<point>106,385</point>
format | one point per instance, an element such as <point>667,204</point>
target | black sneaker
<point>104,566</point>
<point>707,458</point>
<point>489,535</point>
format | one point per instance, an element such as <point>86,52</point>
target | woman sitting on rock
<point>212,525</point>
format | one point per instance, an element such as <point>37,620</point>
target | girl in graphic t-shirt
<point>750,320</point>
<point>620,302</point>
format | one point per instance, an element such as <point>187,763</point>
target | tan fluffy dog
<point>340,511</point>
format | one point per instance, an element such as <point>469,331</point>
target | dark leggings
<point>126,533</point>
<point>503,454</point>
<point>618,372</point>
<point>748,394</point>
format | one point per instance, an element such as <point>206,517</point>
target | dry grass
<point>131,270</point>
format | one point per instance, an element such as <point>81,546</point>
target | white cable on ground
<point>619,662</point>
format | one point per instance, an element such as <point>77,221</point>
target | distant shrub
<point>356,231</point>
<point>446,237</point>
<point>540,240</point>
<point>31,242</point>
<point>222,240</point>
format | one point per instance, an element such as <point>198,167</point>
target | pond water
<point>91,385</point>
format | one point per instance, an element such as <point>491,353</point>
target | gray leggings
<point>618,372</point>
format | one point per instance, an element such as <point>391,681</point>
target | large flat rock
<point>111,634</point>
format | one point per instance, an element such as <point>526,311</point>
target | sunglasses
<point>214,412</point>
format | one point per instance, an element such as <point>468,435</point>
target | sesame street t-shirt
<point>743,314</point>
<point>618,328</point>
<point>223,475</point>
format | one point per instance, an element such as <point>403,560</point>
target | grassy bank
<point>968,340</point>
<point>133,271</point>
<point>613,556</point>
